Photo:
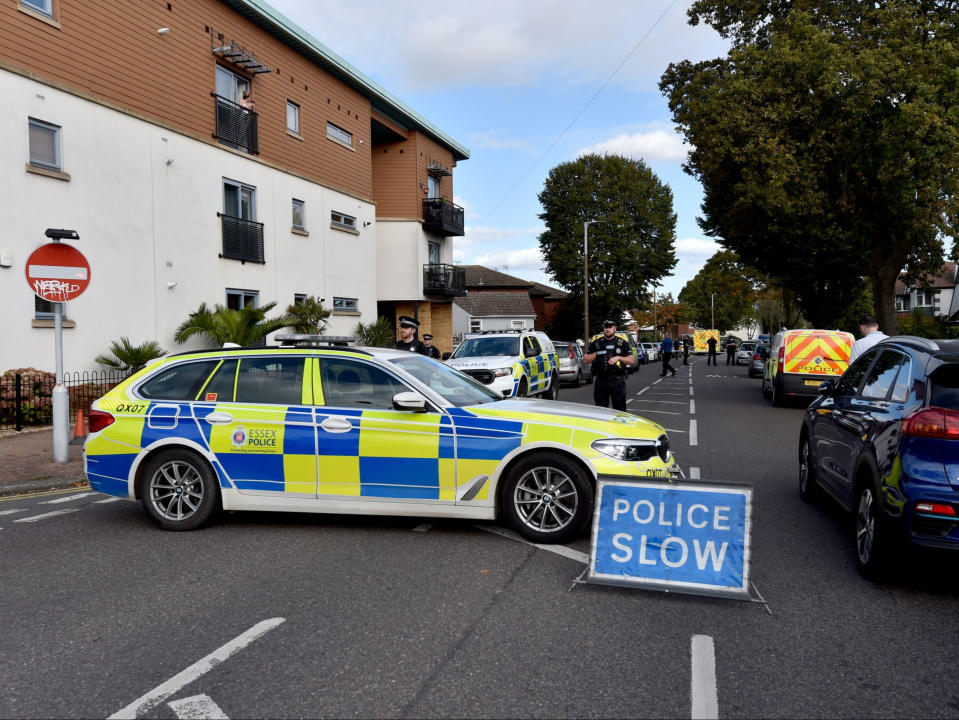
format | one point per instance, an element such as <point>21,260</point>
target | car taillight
<point>936,509</point>
<point>572,355</point>
<point>782,357</point>
<point>99,420</point>
<point>932,422</point>
<point>756,356</point>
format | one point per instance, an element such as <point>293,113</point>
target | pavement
<point>26,463</point>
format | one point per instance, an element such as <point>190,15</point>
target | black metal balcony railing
<point>442,218</point>
<point>441,279</point>
<point>242,239</point>
<point>236,126</point>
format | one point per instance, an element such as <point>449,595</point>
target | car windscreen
<point>455,387</point>
<point>488,347</point>
<point>945,387</point>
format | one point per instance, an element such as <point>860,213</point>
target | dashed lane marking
<point>656,382</point>
<point>658,412</point>
<point>705,700</point>
<point>44,516</point>
<point>555,549</point>
<point>69,498</point>
<point>643,390</point>
<point>690,390</point>
<point>201,667</point>
<point>692,406</point>
<point>198,707</point>
<point>693,438</point>
<point>108,500</point>
<point>11,512</point>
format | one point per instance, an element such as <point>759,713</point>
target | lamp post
<point>712,307</point>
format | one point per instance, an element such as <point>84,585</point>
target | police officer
<point>431,350</point>
<point>610,355</point>
<point>408,339</point>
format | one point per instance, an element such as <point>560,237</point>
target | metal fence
<point>26,396</point>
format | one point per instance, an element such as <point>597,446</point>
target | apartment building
<point>210,151</point>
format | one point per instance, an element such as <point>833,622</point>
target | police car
<point>354,430</point>
<point>513,364</point>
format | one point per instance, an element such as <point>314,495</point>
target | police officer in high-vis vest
<point>610,356</point>
<point>408,339</point>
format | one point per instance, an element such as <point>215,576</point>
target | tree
<point>376,334</point>
<point>130,358</point>
<point>724,289</point>
<point>630,240</point>
<point>308,316</point>
<point>664,311</point>
<point>244,327</point>
<point>826,142</point>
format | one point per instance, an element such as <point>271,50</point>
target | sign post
<point>689,537</point>
<point>58,273</point>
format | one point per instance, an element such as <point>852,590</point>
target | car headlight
<point>500,372</point>
<point>633,450</point>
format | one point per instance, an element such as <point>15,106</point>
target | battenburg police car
<point>355,430</point>
<point>513,364</point>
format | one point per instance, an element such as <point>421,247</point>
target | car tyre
<point>579,378</point>
<point>872,535</point>
<point>776,395</point>
<point>552,392</point>
<point>808,485</point>
<point>179,490</point>
<point>547,498</point>
<point>765,389</point>
<point>523,389</point>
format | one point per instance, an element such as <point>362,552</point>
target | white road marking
<point>656,382</point>
<point>705,699</point>
<point>422,528</point>
<point>198,707</point>
<point>11,512</point>
<point>555,549</point>
<point>690,390</point>
<point>693,438</point>
<point>69,498</point>
<point>663,402</point>
<point>161,692</point>
<point>668,393</point>
<point>44,516</point>
<point>692,406</point>
<point>694,473</point>
<point>642,391</point>
<point>674,430</point>
<point>108,500</point>
<point>658,412</point>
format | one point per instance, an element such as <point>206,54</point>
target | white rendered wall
<point>144,201</point>
<point>402,251</point>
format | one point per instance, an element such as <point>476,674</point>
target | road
<point>282,615</point>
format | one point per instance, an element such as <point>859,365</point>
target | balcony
<point>242,239</point>
<point>442,218</point>
<point>236,126</point>
<point>441,279</point>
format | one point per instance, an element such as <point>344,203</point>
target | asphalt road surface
<point>287,615</point>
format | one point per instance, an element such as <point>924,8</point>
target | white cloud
<point>698,247</point>
<point>652,146</point>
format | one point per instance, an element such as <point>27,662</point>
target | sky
<point>526,85</point>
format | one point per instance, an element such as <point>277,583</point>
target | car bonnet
<point>587,417</point>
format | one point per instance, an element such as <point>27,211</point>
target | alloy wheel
<point>176,490</point>
<point>545,499</point>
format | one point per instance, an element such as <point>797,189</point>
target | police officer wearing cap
<point>431,350</point>
<point>610,356</point>
<point>408,339</point>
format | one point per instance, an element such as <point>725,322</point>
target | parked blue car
<point>883,441</point>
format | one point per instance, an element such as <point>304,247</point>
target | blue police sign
<point>689,537</point>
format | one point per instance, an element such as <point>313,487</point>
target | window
<point>239,200</point>
<point>851,379</point>
<point>338,219</point>
<point>41,6</point>
<point>434,253</point>
<point>299,214</point>
<point>339,134</point>
<point>278,381</point>
<point>347,383</point>
<point>530,347</point>
<point>345,304</point>
<point>239,299</point>
<point>181,382</point>
<point>43,309</point>
<point>925,298</point>
<point>883,375</point>
<point>299,298</point>
<point>902,303</point>
<point>476,325</point>
<point>518,324</point>
<point>433,186</point>
<point>292,117</point>
<point>221,386</point>
<point>44,144</point>
<point>230,85</point>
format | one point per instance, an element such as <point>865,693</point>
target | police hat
<point>407,321</point>
<point>427,336</point>
<point>609,323</point>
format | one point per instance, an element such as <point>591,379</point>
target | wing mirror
<point>826,387</point>
<point>409,401</point>
<point>447,355</point>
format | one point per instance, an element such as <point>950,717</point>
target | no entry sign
<point>57,272</point>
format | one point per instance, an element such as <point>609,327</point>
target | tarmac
<point>26,463</point>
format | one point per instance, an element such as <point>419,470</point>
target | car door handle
<point>219,418</point>
<point>336,425</point>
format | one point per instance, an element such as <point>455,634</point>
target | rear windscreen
<point>945,387</point>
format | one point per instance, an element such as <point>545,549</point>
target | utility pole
<point>712,307</point>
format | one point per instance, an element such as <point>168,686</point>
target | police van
<point>800,360</point>
<point>513,363</point>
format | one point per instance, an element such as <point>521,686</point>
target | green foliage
<point>130,358</point>
<point>221,325</point>
<point>925,325</point>
<point>826,142</point>
<point>631,245</point>
<point>376,334</point>
<point>724,289</point>
<point>309,316</point>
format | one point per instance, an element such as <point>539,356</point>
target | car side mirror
<point>826,387</point>
<point>409,400</point>
<point>447,355</point>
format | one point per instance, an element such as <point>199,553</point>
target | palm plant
<point>130,358</point>
<point>376,334</point>
<point>245,327</point>
<point>309,316</point>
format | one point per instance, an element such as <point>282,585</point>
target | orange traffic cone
<point>79,430</point>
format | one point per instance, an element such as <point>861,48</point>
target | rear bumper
<point>795,384</point>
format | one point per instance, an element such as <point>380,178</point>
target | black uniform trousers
<point>610,387</point>
<point>667,367</point>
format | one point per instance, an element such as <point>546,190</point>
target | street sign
<point>677,537</point>
<point>57,272</point>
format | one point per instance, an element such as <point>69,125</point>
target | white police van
<point>512,363</point>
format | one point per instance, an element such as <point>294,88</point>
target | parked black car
<point>883,441</point>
